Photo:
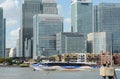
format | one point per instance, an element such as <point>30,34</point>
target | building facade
<point>116,58</point>
<point>17,48</point>
<point>49,7</point>
<point>12,52</point>
<point>20,44</point>
<point>69,42</point>
<point>7,51</point>
<point>81,16</point>
<point>81,57</point>
<point>28,48</point>
<point>99,42</point>
<point>107,17</point>
<point>29,9</point>
<point>2,34</point>
<point>45,28</point>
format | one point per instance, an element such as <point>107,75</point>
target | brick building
<point>116,59</point>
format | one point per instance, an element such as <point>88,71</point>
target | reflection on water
<point>28,73</point>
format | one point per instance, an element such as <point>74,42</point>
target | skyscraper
<point>20,44</point>
<point>2,34</point>
<point>49,7</point>
<point>45,28</point>
<point>107,19</point>
<point>81,16</point>
<point>29,9</point>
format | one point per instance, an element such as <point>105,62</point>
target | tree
<point>1,60</point>
<point>8,60</point>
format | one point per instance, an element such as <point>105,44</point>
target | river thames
<point>28,73</point>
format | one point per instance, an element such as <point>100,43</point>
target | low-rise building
<point>116,58</point>
<point>81,57</point>
<point>105,58</point>
<point>99,59</point>
<point>77,57</point>
<point>91,57</point>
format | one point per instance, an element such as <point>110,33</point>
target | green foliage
<point>51,58</point>
<point>1,60</point>
<point>8,59</point>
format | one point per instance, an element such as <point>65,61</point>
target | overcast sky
<point>12,15</point>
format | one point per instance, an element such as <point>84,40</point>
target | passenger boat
<point>66,66</point>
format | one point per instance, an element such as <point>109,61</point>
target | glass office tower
<point>99,42</point>
<point>45,28</point>
<point>2,34</point>
<point>107,19</point>
<point>49,7</point>
<point>69,42</point>
<point>81,16</point>
<point>29,9</point>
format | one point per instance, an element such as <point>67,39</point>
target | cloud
<point>11,40</point>
<point>15,33</point>
<point>11,11</point>
<point>11,23</point>
<point>11,8</point>
<point>10,43</point>
<point>9,4</point>
<point>1,1</point>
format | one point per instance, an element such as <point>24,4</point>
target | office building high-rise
<point>17,48</point>
<point>46,25</point>
<point>107,19</point>
<point>45,28</point>
<point>20,43</point>
<point>49,7</point>
<point>81,16</point>
<point>2,34</point>
<point>29,9</point>
<point>69,42</point>
<point>99,42</point>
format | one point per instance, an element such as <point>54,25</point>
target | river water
<point>28,73</point>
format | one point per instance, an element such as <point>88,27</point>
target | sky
<point>12,15</point>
